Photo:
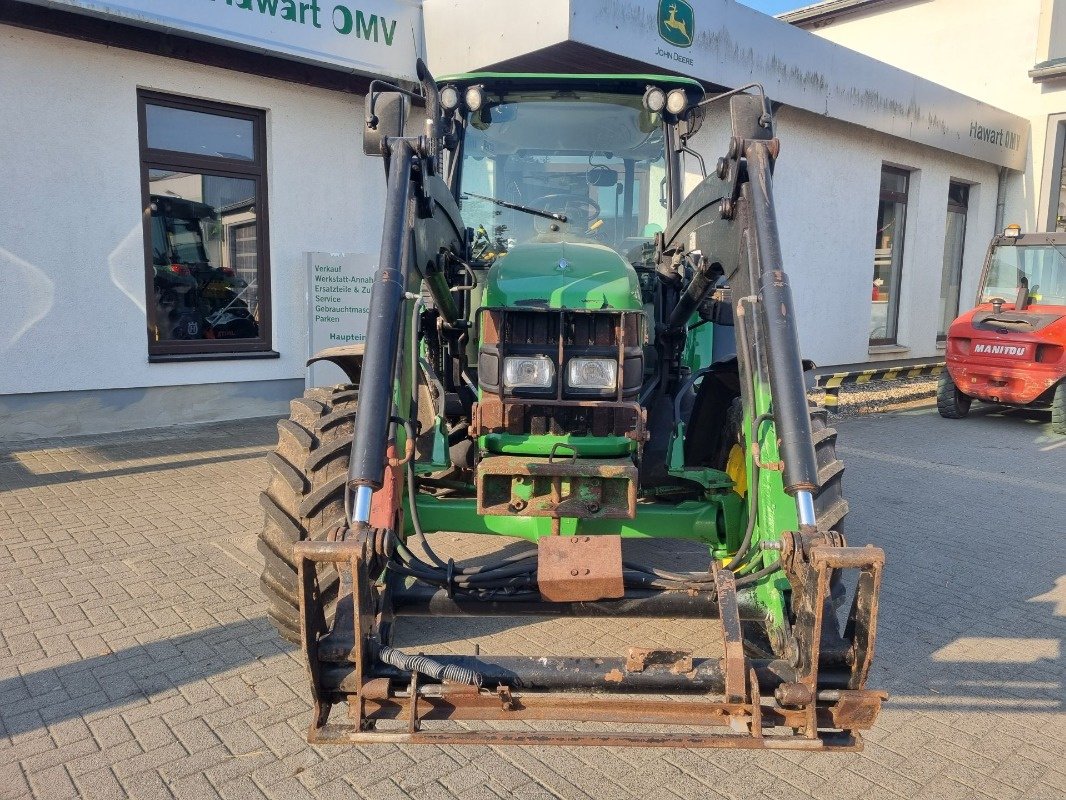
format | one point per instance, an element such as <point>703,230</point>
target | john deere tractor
<point>565,349</point>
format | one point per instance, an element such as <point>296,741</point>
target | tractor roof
<point>623,83</point>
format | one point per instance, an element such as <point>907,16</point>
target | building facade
<point>1009,55</point>
<point>169,177</point>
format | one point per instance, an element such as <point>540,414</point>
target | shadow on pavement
<point>91,685</point>
<point>973,610</point>
<point>32,464</point>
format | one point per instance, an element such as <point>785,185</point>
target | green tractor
<point>564,349</point>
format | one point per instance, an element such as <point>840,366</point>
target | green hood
<point>563,275</point>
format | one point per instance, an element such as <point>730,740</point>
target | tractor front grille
<point>560,335</point>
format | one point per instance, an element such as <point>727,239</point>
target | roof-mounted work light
<point>654,99</point>
<point>475,98</point>
<point>1013,231</point>
<point>449,98</point>
<point>676,102</point>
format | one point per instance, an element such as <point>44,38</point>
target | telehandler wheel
<point>829,503</point>
<point>1058,409</point>
<point>305,498</point>
<point>950,402</point>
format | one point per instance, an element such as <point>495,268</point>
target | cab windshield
<point>1043,267</point>
<point>596,159</point>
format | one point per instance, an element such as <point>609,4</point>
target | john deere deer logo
<point>676,22</point>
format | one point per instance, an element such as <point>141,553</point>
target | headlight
<point>528,372</point>
<point>592,373</point>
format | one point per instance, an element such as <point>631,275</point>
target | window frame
<point>1054,178</point>
<point>254,170</point>
<point>897,282</point>
<point>964,209</point>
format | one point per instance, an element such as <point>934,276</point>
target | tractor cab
<point>581,159</point>
<point>1011,348</point>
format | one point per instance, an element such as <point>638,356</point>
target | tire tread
<point>305,498</point>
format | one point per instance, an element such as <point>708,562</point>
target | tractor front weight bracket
<point>812,699</point>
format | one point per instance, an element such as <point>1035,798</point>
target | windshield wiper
<point>516,207</point>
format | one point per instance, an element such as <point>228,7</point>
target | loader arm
<point>732,215</point>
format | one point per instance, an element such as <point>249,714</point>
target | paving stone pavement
<point>135,660</point>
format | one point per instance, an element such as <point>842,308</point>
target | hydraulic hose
<point>753,489</point>
<point>752,577</point>
<point>701,284</point>
<point>427,666</point>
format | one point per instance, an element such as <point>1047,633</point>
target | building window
<point>1058,192</point>
<point>954,239</point>
<point>203,168</point>
<point>888,255</point>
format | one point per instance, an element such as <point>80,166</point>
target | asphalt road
<point>135,660</point>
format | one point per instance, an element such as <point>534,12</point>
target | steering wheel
<point>563,203</point>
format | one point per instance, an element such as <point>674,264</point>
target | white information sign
<point>338,296</point>
<point>376,37</point>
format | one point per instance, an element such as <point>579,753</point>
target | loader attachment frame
<point>764,703</point>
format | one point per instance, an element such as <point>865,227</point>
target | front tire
<point>950,402</point>
<point>305,498</point>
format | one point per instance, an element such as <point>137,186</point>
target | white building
<point>123,121</point>
<point>1012,55</point>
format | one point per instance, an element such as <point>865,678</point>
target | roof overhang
<point>730,45</point>
<point>831,9</point>
<point>1049,70</point>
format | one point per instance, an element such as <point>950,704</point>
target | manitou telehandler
<point>563,349</point>
<point>1010,349</point>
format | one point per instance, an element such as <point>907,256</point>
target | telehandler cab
<point>563,349</point>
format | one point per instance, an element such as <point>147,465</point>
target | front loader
<point>564,350</point>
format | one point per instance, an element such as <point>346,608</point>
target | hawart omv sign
<point>376,37</point>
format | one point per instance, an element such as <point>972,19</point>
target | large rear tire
<point>830,507</point>
<point>1058,409</point>
<point>950,402</point>
<point>305,498</point>
<point>829,504</point>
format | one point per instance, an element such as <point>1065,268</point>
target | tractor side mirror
<point>386,115</point>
